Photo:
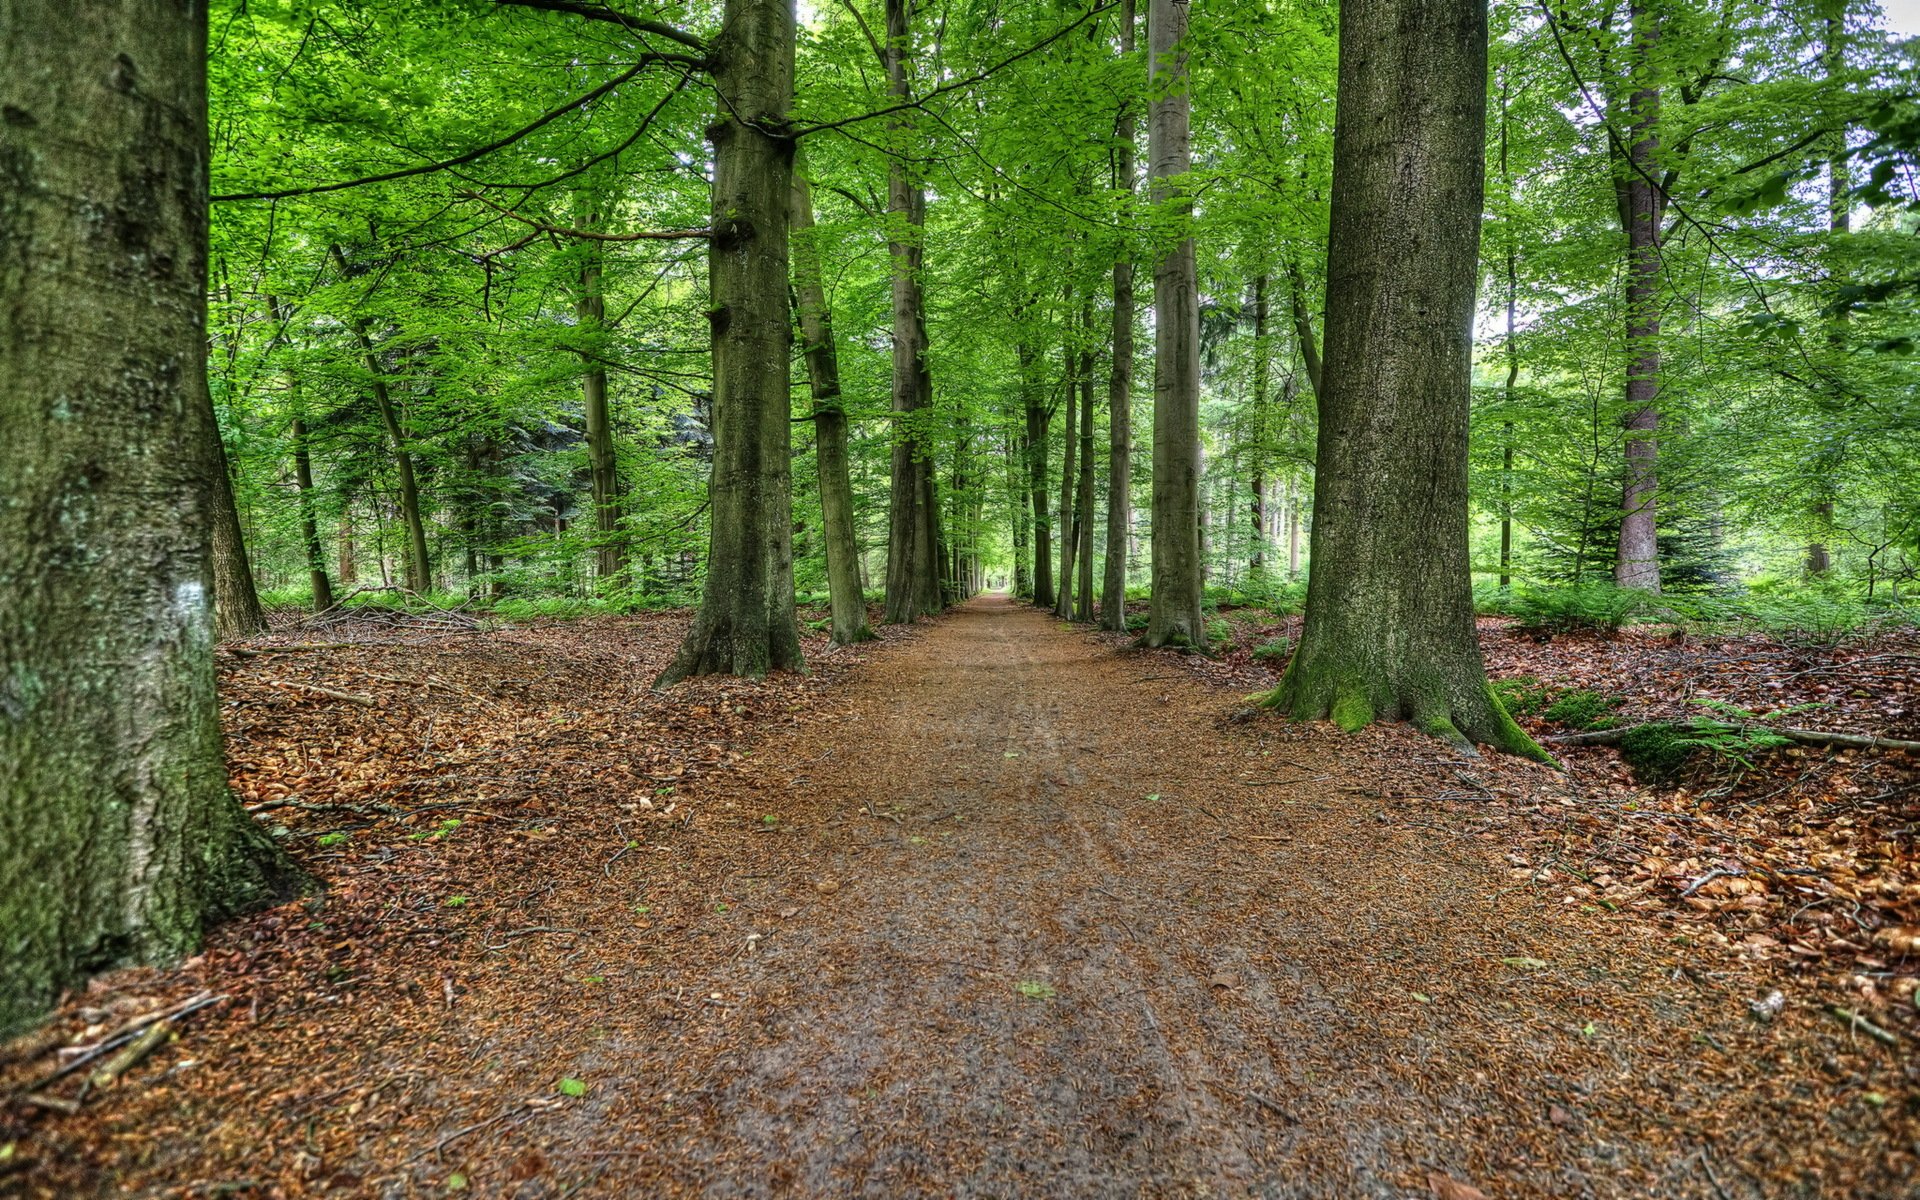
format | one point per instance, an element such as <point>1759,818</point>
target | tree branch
<point>594,12</point>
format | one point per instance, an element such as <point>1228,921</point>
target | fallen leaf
<point>1446,1187</point>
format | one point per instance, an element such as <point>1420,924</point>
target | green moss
<point>1352,711</point>
<point>1513,739</point>
<point>1656,751</point>
<point>1522,696</point>
<point>1584,710</point>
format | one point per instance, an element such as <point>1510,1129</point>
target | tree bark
<point>1069,474</point>
<point>1261,366</point>
<point>746,624</point>
<point>1036,453</point>
<point>1113,585</point>
<point>1839,224</point>
<point>419,566</point>
<point>121,839</point>
<point>913,570</point>
<point>848,603</point>
<point>1637,561</point>
<point>1083,508</point>
<point>309,522</point>
<point>603,468</point>
<point>236,601</point>
<point>1389,622</point>
<point>1178,567</point>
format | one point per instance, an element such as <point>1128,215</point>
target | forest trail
<point>1003,911</point>
<point>1031,924</point>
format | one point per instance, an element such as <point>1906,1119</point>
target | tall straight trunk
<point>121,841</point>
<point>1839,224</point>
<point>349,556</point>
<point>913,572</point>
<point>1036,453</point>
<point>849,604</point>
<point>418,564</point>
<point>745,624</point>
<point>1293,531</point>
<point>1113,585</point>
<point>1069,476</point>
<point>236,601</point>
<point>309,521</point>
<point>1262,365</point>
<point>603,468</point>
<point>1017,500</point>
<point>1083,507</point>
<point>1636,562</point>
<point>1389,623</point>
<point>1178,565</point>
<point>1513,344</point>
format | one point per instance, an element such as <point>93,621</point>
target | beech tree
<point>1389,618</point>
<point>121,839</point>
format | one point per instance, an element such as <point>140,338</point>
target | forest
<point>960,597</point>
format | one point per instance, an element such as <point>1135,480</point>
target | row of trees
<point>504,297</point>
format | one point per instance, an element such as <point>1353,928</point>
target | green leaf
<point>572,1087</point>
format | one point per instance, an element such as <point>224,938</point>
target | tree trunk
<point>1513,345</point>
<point>1178,566</point>
<point>590,307</point>
<point>236,601</point>
<point>309,522</point>
<point>1069,476</point>
<point>1839,224</point>
<point>1036,448</point>
<point>849,604</point>
<point>1389,623</point>
<point>419,570</point>
<point>746,624</point>
<point>1637,561</point>
<point>121,840</point>
<point>1017,501</point>
<point>1083,510</point>
<point>913,571</point>
<point>1113,586</point>
<point>1261,366</point>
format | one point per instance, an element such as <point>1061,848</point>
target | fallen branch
<point>1855,1021</point>
<point>131,1056</point>
<point>1810,737</point>
<point>122,1036</point>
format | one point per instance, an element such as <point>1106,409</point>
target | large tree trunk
<point>1036,451</point>
<point>236,601</point>
<point>746,624</point>
<point>121,841</point>
<point>849,605</point>
<point>1178,567</point>
<point>913,570</point>
<point>1389,623</point>
<point>1637,561</point>
<point>309,522</point>
<point>1113,585</point>
<point>590,307</point>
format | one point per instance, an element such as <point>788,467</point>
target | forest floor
<point>993,907</point>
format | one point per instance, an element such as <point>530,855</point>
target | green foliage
<point>1581,608</point>
<point>1219,634</point>
<point>1522,695</point>
<point>1583,710</point>
<point>1274,651</point>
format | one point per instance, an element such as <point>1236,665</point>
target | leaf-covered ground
<point>1000,908</point>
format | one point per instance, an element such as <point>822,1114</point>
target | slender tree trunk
<point>236,601</point>
<point>1069,475</point>
<point>1113,586</point>
<point>121,841</point>
<point>745,624</point>
<point>1637,561</point>
<point>603,468</point>
<point>849,604</point>
<point>1513,345</point>
<point>1083,513</point>
<point>419,570</point>
<point>1036,448</point>
<point>1017,501</point>
<point>1262,365</point>
<point>1839,225</point>
<point>349,558</point>
<point>1389,624</point>
<point>1178,565</point>
<point>309,522</point>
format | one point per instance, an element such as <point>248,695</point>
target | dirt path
<point>1024,917</point>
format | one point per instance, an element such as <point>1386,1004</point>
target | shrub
<point>1274,652</point>
<point>1585,607</point>
<point>1584,710</point>
<point>1523,695</point>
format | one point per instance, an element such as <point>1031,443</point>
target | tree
<point>1642,211</point>
<point>1178,568</point>
<point>848,602</point>
<point>122,841</point>
<point>1113,584</point>
<point>1389,621</point>
<point>745,624</point>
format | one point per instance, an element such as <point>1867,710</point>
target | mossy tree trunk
<point>746,624</point>
<point>120,840</point>
<point>849,604</point>
<point>1389,622</point>
<point>1179,571</point>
